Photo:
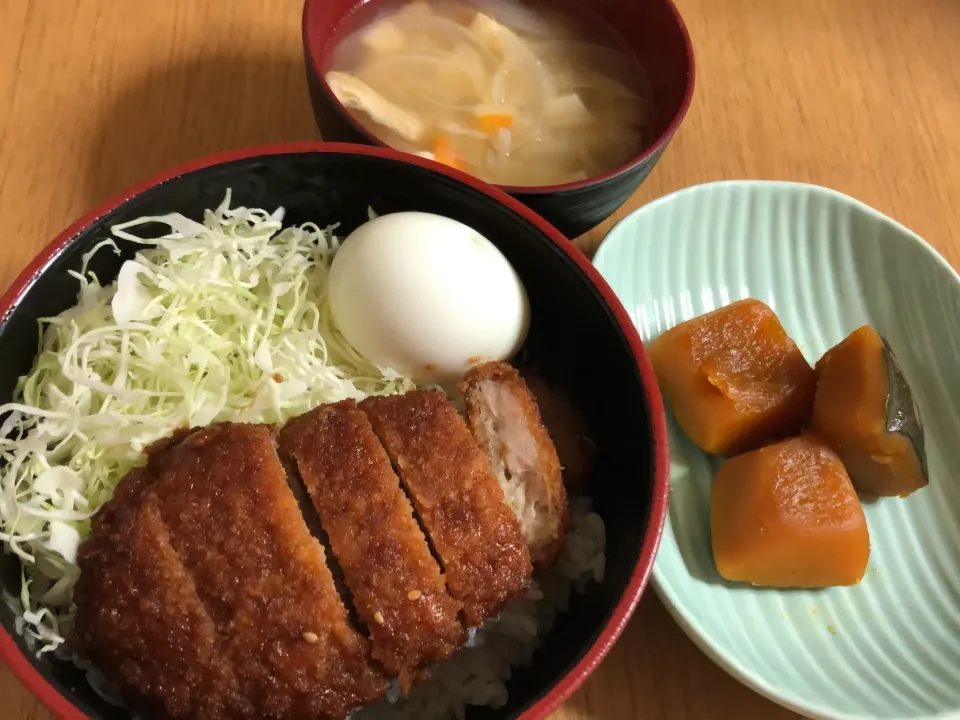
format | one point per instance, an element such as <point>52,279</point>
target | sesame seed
<point>311,637</point>
<point>378,616</point>
<point>414,595</point>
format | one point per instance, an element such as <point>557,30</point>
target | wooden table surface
<point>859,95</point>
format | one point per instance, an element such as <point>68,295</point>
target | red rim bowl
<point>653,30</point>
<point>635,577</point>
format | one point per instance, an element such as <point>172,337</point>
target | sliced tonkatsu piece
<point>263,577</point>
<point>505,420</point>
<point>396,584</point>
<point>139,617</point>
<point>476,536</point>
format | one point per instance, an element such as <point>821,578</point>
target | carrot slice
<point>443,152</point>
<point>493,122</point>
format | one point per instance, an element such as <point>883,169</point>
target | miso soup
<point>515,93</point>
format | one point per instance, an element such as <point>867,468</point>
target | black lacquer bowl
<point>652,29</point>
<point>580,336</point>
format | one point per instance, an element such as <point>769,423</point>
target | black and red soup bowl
<point>653,31</point>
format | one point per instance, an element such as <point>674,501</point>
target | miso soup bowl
<point>652,29</point>
<point>575,319</point>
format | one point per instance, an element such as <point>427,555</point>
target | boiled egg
<point>426,296</point>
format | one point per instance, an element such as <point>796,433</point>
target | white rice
<point>478,675</point>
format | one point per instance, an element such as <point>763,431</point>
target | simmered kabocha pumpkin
<point>865,410</point>
<point>733,378</point>
<point>787,515</point>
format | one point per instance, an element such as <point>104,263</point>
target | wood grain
<point>859,95</point>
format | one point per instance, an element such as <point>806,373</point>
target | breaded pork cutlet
<point>505,421</point>
<point>460,503</point>
<point>139,617</point>
<point>263,576</point>
<point>397,587</point>
<point>251,576</point>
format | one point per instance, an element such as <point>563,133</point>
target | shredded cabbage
<point>222,320</point>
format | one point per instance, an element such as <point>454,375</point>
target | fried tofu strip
<point>505,421</point>
<point>352,92</point>
<point>397,587</point>
<point>460,503</point>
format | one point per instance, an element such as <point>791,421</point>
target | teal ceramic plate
<point>827,264</point>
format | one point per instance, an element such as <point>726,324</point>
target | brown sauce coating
<point>268,635</point>
<point>396,584</point>
<point>459,501</point>
<point>139,616</point>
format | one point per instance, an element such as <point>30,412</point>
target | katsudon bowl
<point>580,339</point>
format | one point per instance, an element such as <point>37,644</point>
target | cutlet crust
<point>139,617</point>
<point>397,587</point>
<point>459,501</point>
<point>505,419</point>
<point>263,576</point>
<point>265,630</point>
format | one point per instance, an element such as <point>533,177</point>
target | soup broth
<point>515,93</point>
